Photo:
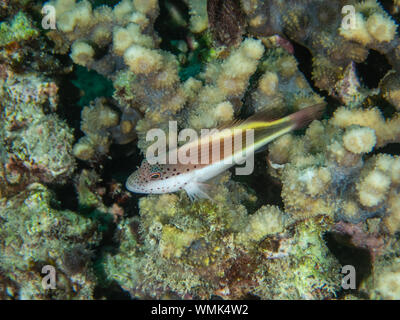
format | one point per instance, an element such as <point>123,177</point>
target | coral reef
<point>337,44</point>
<point>325,170</point>
<point>318,195</point>
<point>282,87</point>
<point>37,143</point>
<point>86,32</point>
<point>40,235</point>
<point>102,125</point>
<point>175,252</point>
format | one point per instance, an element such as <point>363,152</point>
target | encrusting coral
<point>175,252</point>
<point>102,125</point>
<point>40,235</point>
<point>325,170</point>
<point>338,179</point>
<point>338,43</point>
<point>85,30</point>
<point>282,85</point>
<point>39,143</point>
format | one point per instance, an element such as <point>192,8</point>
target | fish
<point>200,165</point>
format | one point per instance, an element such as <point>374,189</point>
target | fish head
<point>150,178</point>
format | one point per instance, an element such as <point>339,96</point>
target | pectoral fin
<point>199,190</point>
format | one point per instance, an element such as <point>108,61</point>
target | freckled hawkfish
<point>212,154</point>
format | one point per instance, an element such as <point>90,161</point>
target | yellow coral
<point>382,29</point>
<point>173,241</point>
<point>83,149</point>
<point>237,69</point>
<point>385,131</point>
<point>351,210</point>
<point>168,75</point>
<point>359,33</point>
<point>372,190</point>
<point>224,111</point>
<point>81,53</point>
<point>315,180</point>
<point>269,83</point>
<point>287,66</point>
<point>123,38</point>
<point>280,149</point>
<point>359,140</point>
<point>101,35</point>
<point>385,280</point>
<point>267,220</point>
<point>198,15</point>
<point>142,60</point>
<point>146,7</point>
<point>122,10</point>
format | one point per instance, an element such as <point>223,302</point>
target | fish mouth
<point>131,183</point>
<point>129,187</point>
<point>132,187</point>
<point>135,187</point>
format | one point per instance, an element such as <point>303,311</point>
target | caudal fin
<point>303,117</point>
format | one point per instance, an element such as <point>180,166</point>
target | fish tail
<point>302,118</point>
<point>266,130</point>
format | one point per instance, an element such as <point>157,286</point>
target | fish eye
<point>155,175</point>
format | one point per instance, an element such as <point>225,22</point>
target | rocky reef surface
<point>78,97</point>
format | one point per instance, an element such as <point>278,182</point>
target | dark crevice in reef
<point>387,109</point>
<point>111,292</point>
<point>347,254</point>
<point>391,148</point>
<point>98,3</point>
<point>247,109</point>
<point>267,189</point>
<point>388,5</point>
<point>124,160</point>
<point>304,59</point>
<point>68,109</point>
<point>167,27</point>
<point>66,197</point>
<point>372,70</point>
<point>76,90</point>
<point>106,288</point>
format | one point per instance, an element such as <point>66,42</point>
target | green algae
<point>20,29</point>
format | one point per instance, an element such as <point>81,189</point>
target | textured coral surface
<point>76,103</point>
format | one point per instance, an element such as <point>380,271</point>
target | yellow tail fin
<point>266,130</point>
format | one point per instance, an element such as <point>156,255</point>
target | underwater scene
<point>200,149</point>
